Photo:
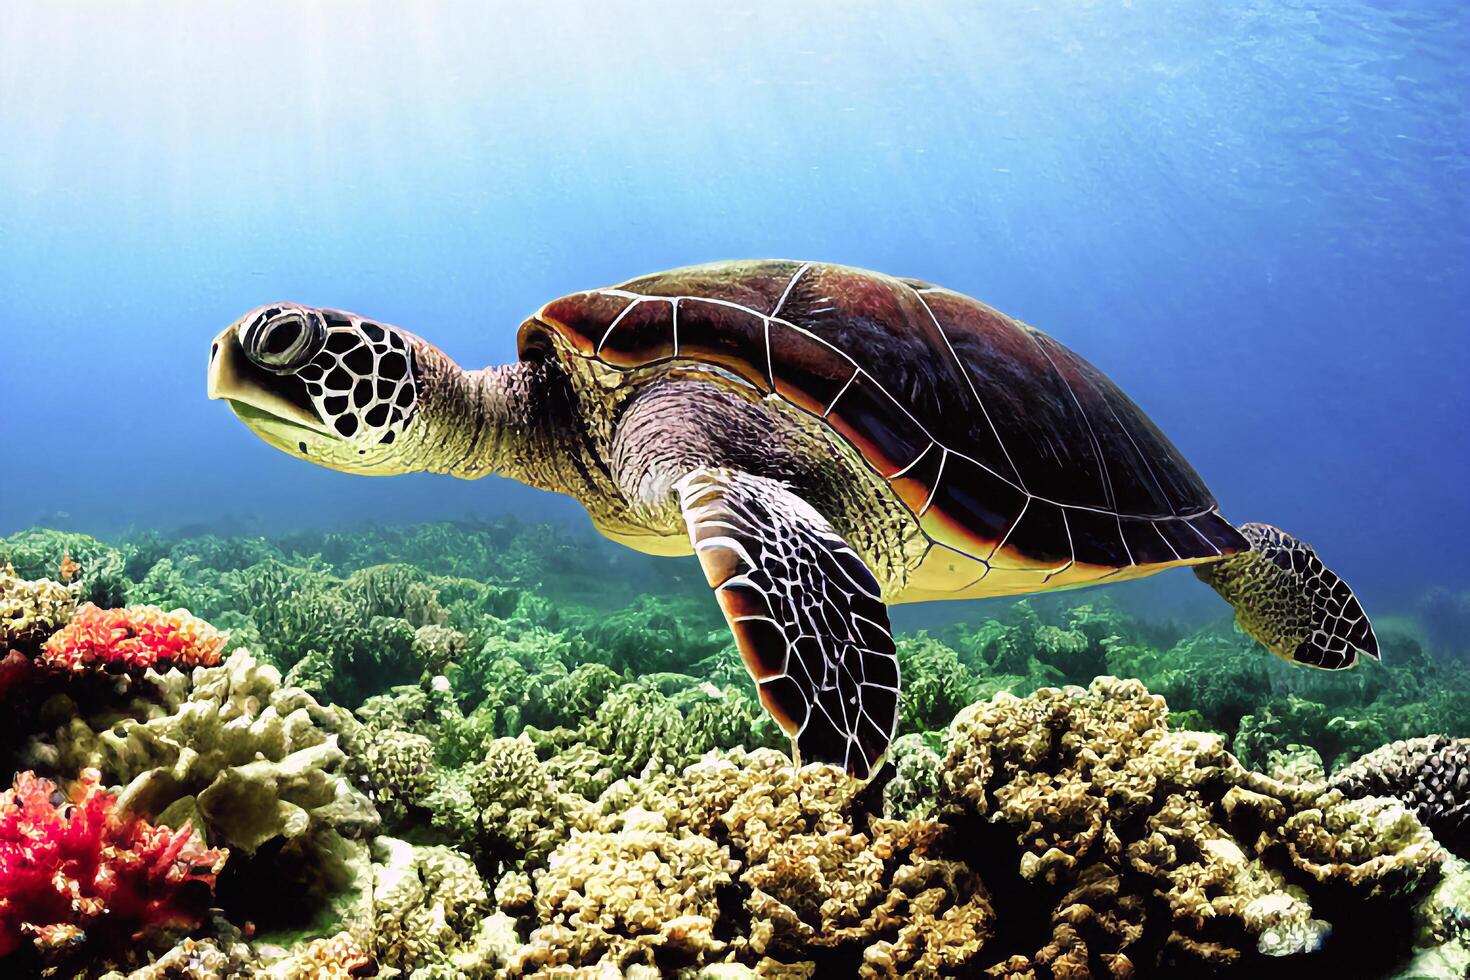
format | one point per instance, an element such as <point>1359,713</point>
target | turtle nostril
<point>213,352</point>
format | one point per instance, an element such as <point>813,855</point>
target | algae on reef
<point>497,750</point>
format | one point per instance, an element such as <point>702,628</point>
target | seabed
<point>497,749</point>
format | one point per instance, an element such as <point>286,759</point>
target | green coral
<point>658,633</point>
<point>395,769</point>
<point>1336,736</point>
<point>185,583</point>
<point>37,553</point>
<point>638,728</point>
<point>507,808</point>
<point>915,783</point>
<point>935,684</point>
<point>224,554</point>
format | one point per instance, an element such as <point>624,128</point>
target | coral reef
<point>395,770</point>
<point>1134,847</point>
<point>508,808</point>
<point>613,899</point>
<point>254,765</point>
<point>638,728</point>
<point>1158,843</point>
<point>487,750</point>
<point>134,638</point>
<point>84,872</point>
<point>30,611</point>
<point>1429,775</point>
<point>100,574</point>
<point>432,913</point>
<point>936,684</point>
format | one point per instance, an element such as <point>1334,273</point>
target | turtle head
<point>329,387</point>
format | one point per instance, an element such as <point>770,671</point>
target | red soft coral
<point>135,638</point>
<point>79,865</point>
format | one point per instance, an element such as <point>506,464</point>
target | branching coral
<point>100,569</point>
<point>612,899</point>
<point>818,874</point>
<point>438,647</point>
<point>657,633</point>
<point>637,727</point>
<point>395,769</point>
<point>398,591</point>
<point>294,610</point>
<point>342,640</point>
<point>511,652</point>
<point>1337,735</point>
<point>133,639</point>
<point>935,684</point>
<point>338,957</point>
<point>911,791</point>
<point>1372,847</point>
<point>508,807</point>
<point>1023,643</point>
<point>196,959</point>
<point>84,871</point>
<point>186,584</point>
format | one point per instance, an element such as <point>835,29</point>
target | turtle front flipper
<point>805,612</point>
<point>1294,605</point>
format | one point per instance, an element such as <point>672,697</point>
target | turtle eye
<point>282,340</point>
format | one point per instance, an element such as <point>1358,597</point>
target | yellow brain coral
<point>31,611</point>
<point>1158,846</point>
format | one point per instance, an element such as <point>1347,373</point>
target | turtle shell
<point>1012,451</point>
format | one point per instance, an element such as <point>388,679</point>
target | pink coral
<point>77,865</point>
<point>135,638</point>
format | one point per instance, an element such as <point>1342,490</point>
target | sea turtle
<point>826,440</point>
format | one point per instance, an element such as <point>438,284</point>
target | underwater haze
<point>263,719</point>
<point>1251,216</point>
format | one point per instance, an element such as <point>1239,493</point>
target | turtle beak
<point>262,400</point>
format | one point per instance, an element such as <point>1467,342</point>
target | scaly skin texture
<point>678,424</point>
<point>1290,602</point>
<point>1265,607</point>
<point>616,433</point>
<point>517,420</point>
<point>617,442</point>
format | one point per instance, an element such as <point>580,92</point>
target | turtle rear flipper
<point>1290,602</point>
<point>805,612</point>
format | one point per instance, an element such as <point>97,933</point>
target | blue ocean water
<point>1253,216</point>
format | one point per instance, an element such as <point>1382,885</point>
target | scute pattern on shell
<point>1012,451</point>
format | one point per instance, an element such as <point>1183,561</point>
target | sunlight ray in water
<point>709,345</point>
